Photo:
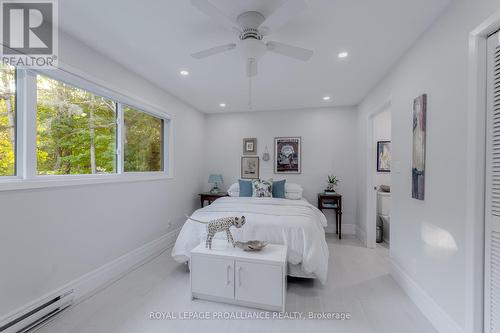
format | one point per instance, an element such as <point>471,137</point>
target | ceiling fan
<point>251,28</point>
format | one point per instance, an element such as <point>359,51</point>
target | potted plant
<point>332,182</point>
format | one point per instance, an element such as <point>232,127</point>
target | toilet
<point>384,214</point>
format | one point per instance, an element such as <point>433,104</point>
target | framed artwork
<point>250,146</point>
<point>287,155</point>
<point>419,136</point>
<point>384,156</point>
<point>249,167</point>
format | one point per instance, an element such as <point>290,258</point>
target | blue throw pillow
<point>279,189</point>
<point>246,189</point>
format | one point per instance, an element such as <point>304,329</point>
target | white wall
<point>428,237</point>
<point>328,147</point>
<point>51,236</point>
<point>381,132</point>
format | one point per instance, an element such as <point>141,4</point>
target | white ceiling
<point>156,37</point>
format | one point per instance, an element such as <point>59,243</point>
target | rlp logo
<point>27,27</point>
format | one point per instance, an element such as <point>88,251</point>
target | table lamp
<point>215,179</point>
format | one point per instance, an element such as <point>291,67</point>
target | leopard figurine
<point>219,225</point>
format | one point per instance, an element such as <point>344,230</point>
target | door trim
<point>476,166</point>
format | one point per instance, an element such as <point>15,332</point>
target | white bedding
<point>296,223</point>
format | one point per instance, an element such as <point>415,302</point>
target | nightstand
<point>211,197</point>
<point>332,201</point>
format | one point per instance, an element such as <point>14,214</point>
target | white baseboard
<point>434,313</point>
<point>347,229</point>
<point>361,234</point>
<point>91,283</point>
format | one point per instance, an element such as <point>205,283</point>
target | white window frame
<point>26,162</point>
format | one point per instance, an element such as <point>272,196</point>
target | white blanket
<point>296,223</point>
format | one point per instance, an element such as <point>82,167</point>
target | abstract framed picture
<point>384,156</point>
<point>250,146</point>
<point>418,155</point>
<point>249,167</point>
<point>287,155</point>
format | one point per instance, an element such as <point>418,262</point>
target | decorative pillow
<point>245,188</point>
<point>262,188</point>
<point>279,189</point>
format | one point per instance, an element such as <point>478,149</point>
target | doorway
<point>378,175</point>
<point>381,144</point>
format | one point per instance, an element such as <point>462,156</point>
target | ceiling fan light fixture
<point>184,72</point>
<point>252,49</point>
<point>326,98</point>
<point>222,105</point>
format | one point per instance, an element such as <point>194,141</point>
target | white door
<point>492,213</point>
<point>259,283</point>
<point>212,276</point>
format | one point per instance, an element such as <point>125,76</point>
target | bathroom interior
<point>382,178</point>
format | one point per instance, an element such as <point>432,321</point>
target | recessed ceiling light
<point>343,55</point>
<point>222,105</point>
<point>184,72</point>
<point>326,98</point>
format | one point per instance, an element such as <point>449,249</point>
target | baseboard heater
<point>38,314</point>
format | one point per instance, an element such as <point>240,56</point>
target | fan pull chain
<point>250,92</point>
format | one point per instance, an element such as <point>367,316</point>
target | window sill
<point>41,182</point>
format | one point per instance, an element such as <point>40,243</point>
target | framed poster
<point>249,167</point>
<point>384,156</point>
<point>250,146</point>
<point>287,158</point>
<point>419,138</point>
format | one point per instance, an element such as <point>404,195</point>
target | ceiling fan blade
<point>251,67</point>
<point>290,51</point>
<point>282,15</point>
<point>210,10</point>
<point>213,50</point>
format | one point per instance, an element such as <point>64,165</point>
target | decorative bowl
<point>253,245</point>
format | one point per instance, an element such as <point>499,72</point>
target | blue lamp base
<point>215,189</point>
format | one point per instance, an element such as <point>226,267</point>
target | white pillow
<point>233,193</point>
<point>294,188</point>
<point>234,190</point>
<point>293,195</point>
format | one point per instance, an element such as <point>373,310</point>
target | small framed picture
<point>249,167</point>
<point>287,155</point>
<point>384,156</point>
<point>250,146</point>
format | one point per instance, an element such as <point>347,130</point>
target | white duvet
<point>296,223</point>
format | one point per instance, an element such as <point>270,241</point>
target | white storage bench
<point>231,275</point>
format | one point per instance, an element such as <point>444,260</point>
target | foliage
<point>7,120</point>
<point>77,131</point>
<point>143,138</point>
<point>333,180</point>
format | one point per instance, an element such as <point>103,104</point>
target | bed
<point>296,223</point>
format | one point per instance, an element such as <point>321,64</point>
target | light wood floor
<point>358,283</point>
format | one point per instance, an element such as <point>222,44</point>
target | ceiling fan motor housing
<point>249,23</point>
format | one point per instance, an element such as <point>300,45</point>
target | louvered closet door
<point>492,230</point>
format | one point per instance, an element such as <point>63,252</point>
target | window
<point>76,130</point>
<point>143,141</point>
<point>58,129</point>
<point>7,121</point>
